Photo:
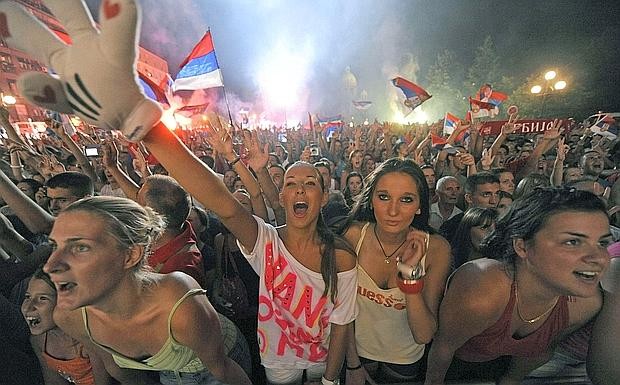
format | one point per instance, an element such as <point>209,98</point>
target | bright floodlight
<point>536,89</point>
<point>282,75</point>
<point>550,75</point>
<point>560,85</point>
<point>9,100</point>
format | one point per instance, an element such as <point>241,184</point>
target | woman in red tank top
<point>550,252</point>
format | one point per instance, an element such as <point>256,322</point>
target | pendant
<point>387,261</point>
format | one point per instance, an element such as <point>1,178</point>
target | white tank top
<point>382,331</point>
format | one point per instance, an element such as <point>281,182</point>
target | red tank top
<point>497,340</point>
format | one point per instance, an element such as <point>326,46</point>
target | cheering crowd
<point>234,256</point>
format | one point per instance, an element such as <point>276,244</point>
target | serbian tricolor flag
<point>606,126</point>
<point>479,108</point>
<point>414,94</point>
<point>449,123</point>
<point>330,125</point>
<point>438,142</point>
<point>152,90</point>
<point>200,70</point>
<point>497,98</point>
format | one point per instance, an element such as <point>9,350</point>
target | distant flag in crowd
<point>480,109</point>
<point>606,126</point>
<point>200,70</point>
<point>437,141</point>
<point>414,94</point>
<point>151,89</point>
<point>362,104</point>
<point>449,123</point>
<point>497,98</point>
<point>485,92</point>
<point>331,124</point>
<point>310,123</point>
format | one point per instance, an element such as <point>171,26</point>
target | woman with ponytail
<point>307,276</point>
<point>501,318</point>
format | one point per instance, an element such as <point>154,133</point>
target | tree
<point>485,68</point>
<point>444,79</point>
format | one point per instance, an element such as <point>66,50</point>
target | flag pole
<point>230,119</point>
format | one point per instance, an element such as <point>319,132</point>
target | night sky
<point>581,39</point>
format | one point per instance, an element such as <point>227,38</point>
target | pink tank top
<point>497,340</point>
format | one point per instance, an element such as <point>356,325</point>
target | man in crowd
<point>448,191</point>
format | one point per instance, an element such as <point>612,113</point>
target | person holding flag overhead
<point>414,94</point>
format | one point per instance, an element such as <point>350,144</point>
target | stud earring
<point>418,212</point>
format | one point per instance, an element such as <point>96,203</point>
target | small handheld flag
<point>414,94</point>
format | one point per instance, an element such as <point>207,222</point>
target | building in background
<point>14,62</point>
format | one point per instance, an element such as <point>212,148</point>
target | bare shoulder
<point>353,233</point>
<point>482,285</point>
<point>438,247</point>
<point>345,261</point>
<point>172,286</point>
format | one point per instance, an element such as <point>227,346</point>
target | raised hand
<point>96,73</point>
<point>218,137</point>
<point>466,158</point>
<point>486,161</point>
<point>555,131</point>
<point>510,126</point>
<point>412,252</point>
<point>110,154</point>
<point>562,150</point>
<point>257,155</point>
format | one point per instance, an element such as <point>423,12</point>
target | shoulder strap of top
<point>179,302</point>
<point>361,240</point>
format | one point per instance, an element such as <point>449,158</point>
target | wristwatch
<point>325,381</point>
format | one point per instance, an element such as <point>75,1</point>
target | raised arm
<point>226,149</point>
<point>557,174</point>
<point>85,165</point>
<point>110,162</point>
<point>34,217</point>
<point>201,182</point>
<point>508,128</point>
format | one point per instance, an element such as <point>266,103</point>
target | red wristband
<point>410,286</point>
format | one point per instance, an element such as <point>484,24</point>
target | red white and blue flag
<point>480,109</point>
<point>449,123</point>
<point>200,69</point>
<point>414,94</point>
<point>606,126</point>
<point>497,98</point>
<point>152,90</point>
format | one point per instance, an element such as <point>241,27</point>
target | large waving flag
<point>415,95</point>
<point>606,126</point>
<point>200,70</point>
<point>497,98</point>
<point>487,94</point>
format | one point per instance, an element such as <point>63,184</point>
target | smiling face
<point>86,263</point>
<point>38,306</point>
<point>395,201</point>
<point>302,195</point>
<point>569,253</point>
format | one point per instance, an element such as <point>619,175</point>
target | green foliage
<point>444,80</point>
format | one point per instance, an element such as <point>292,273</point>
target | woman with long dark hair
<point>402,271</point>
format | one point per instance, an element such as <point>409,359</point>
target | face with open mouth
<point>302,195</point>
<point>87,261</point>
<point>569,253</point>
<point>38,306</point>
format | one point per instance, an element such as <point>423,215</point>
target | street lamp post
<point>547,88</point>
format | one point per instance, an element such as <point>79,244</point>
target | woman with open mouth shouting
<point>307,275</point>
<point>139,322</point>
<point>502,317</point>
<point>402,272</point>
<point>63,359</point>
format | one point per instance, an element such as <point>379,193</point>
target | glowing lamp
<point>550,75</point>
<point>536,89</point>
<point>9,100</point>
<point>560,85</point>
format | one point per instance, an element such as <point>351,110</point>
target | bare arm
<point>337,350</point>
<point>557,174</point>
<point>34,217</point>
<point>201,182</point>
<point>85,165</point>
<point>110,162</point>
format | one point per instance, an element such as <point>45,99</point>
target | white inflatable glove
<point>97,77</point>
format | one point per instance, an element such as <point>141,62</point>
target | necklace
<point>387,257</point>
<point>535,319</point>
